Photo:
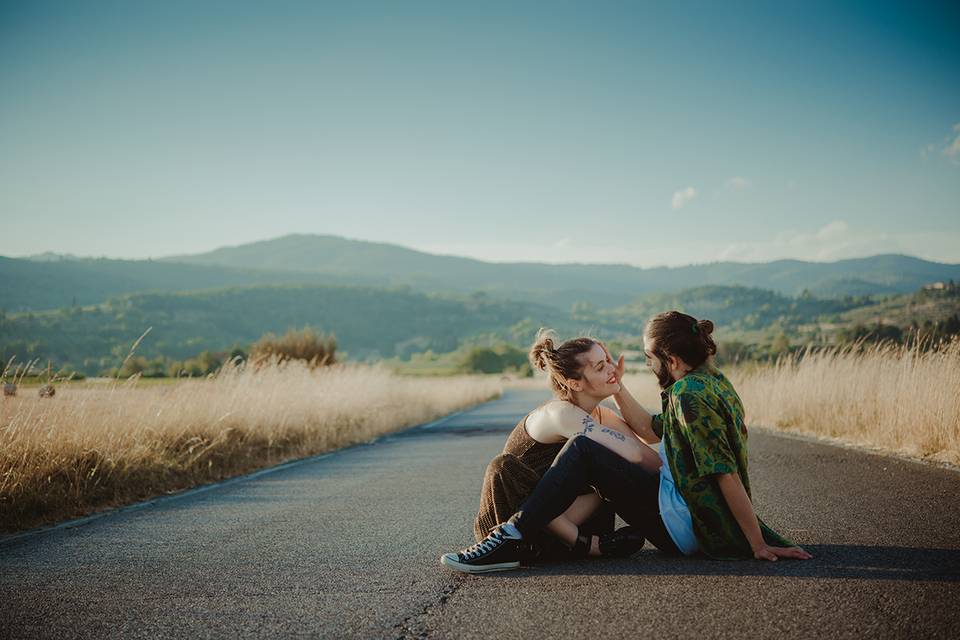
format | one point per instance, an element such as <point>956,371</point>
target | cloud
<point>833,230</point>
<point>953,148</point>
<point>682,197</point>
<point>949,146</point>
<point>737,183</point>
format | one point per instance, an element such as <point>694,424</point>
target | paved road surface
<point>348,546</point>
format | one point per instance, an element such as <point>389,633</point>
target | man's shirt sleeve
<point>656,423</point>
<point>706,431</point>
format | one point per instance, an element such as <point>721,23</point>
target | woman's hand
<point>767,552</point>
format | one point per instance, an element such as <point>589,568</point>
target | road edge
<point>14,538</point>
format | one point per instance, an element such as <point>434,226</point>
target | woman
<point>581,375</point>
<point>702,495</point>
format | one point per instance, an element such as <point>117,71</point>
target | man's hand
<point>767,552</point>
<point>621,366</point>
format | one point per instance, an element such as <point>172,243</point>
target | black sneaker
<point>621,543</point>
<point>497,552</point>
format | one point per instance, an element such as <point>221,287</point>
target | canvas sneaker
<point>499,551</point>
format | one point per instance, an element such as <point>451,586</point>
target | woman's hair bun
<point>705,327</point>
<point>541,347</point>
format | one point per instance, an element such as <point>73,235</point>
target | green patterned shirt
<point>702,427</point>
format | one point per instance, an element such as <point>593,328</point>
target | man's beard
<point>663,375</point>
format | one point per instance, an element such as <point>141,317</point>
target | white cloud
<point>737,183</point>
<point>953,148</point>
<point>949,146</point>
<point>682,197</point>
<point>833,230</point>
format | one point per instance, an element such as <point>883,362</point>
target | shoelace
<point>486,545</point>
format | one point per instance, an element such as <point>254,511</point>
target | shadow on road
<point>829,561</point>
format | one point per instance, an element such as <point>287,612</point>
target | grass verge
<point>89,448</point>
<point>904,400</point>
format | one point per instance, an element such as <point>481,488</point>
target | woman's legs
<point>631,489</point>
<point>582,462</point>
<point>508,482</point>
<point>566,526</point>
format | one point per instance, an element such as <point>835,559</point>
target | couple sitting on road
<point>570,464</point>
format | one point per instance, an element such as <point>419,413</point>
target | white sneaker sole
<point>451,561</point>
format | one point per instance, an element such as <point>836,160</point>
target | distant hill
<point>736,308</point>
<point>398,265</point>
<point>368,323</point>
<point>53,281</point>
<point>27,284</point>
<point>373,323</point>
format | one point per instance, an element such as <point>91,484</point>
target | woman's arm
<point>627,446</point>
<point>559,421</point>
<point>739,502</point>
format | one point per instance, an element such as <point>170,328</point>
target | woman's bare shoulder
<point>553,421</point>
<point>559,409</point>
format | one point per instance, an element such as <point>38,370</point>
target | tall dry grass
<point>92,447</point>
<point>894,398</point>
<point>901,399</point>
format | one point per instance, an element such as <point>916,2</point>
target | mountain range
<point>49,281</point>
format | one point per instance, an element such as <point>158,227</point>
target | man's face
<point>658,366</point>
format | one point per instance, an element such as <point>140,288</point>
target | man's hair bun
<point>705,327</point>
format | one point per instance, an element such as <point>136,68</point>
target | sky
<point>593,132</point>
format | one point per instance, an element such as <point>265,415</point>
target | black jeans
<point>632,490</point>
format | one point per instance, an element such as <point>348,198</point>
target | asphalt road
<point>348,546</point>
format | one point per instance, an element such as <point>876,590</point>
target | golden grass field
<point>98,445</point>
<point>896,399</point>
<point>93,446</point>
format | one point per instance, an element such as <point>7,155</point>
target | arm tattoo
<point>616,434</point>
<point>588,425</point>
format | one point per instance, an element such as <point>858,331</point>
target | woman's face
<point>598,377</point>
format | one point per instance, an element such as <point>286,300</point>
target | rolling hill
<point>372,322</point>
<point>328,260</point>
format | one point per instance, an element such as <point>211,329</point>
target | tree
<point>780,345</point>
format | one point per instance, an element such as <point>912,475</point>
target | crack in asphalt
<point>414,626</point>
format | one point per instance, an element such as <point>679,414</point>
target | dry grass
<point>90,447</point>
<point>305,344</point>
<point>896,399</point>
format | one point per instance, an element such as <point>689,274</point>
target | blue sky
<point>548,131</point>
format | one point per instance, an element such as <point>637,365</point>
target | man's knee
<point>584,443</point>
<point>582,446</point>
<point>576,444</point>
